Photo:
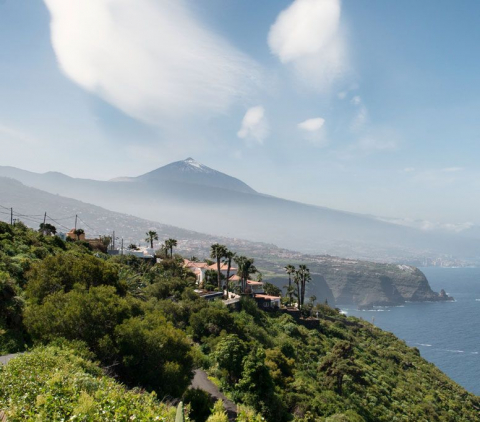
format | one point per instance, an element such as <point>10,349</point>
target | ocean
<point>446,333</point>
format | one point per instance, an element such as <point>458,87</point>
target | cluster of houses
<point>254,288</point>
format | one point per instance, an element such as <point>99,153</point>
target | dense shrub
<point>154,354</point>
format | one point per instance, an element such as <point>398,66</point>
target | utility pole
<point>122,245</point>
<point>11,216</point>
<point>113,241</point>
<point>76,222</point>
<point>44,221</point>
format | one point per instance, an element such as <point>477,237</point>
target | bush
<point>154,354</point>
<point>54,383</point>
<point>65,270</point>
<point>90,316</point>
<point>200,404</point>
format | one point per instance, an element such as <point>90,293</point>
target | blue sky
<point>367,106</point>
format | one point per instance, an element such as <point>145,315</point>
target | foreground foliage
<point>55,383</point>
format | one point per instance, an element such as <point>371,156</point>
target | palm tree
<point>229,256</point>
<point>290,269</point>
<point>151,236</point>
<point>78,233</point>
<point>170,244</point>
<point>245,268</point>
<point>304,277</point>
<point>218,252</point>
<point>298,282</point>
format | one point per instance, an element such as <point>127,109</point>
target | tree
<point>218,252</point>
<point>47,229</point>
<point>151,236</point>
<point>133,247</point>
<point>106,240</point>
<point>339,363</point>
<point>302,277</point>
<point>290,269</point>
<point>229,354</point>
<point>62,271</point>
<point>245,269</point>
<point>78,233</point>
<point>271,289</point>
<point>154,354</point>
<point>169,245</point>
<point>229,256</point>
<point>81,314</point>
<point>257,388</point>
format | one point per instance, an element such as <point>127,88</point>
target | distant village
<point>224,275</point>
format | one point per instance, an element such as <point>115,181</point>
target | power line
<point>56,222</point>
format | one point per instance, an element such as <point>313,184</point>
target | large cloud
<point>254,125</point>
<point>307,35</point>
<point>150,58</point>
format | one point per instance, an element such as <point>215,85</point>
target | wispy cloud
<point>452,169</point>
<point>307,36</point>
<point>16,135</point>
<point>152,59</point>
<point>254,125</point>
<point>373,143</point>
<point>361,113</point>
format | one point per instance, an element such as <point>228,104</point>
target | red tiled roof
<point>191,264</point>
<point>235,277</point>
<point>268,297</point>
<point>254,283</point>
<point>223,267</point>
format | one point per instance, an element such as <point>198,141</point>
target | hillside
<point>336,279</point>
<point>122,314</point>
<point>190,195</point>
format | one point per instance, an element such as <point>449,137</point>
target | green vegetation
<point>58,383</point>
<point>144,324</point>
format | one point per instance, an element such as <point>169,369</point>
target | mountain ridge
<point>240,212</point>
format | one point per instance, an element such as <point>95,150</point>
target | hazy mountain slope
<point>334,279</point>
<point>233,213</point>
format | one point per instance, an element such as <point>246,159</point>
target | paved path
<point>6,358</point>
<point>200,380</point>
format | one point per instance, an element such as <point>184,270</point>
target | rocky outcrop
<point>366,283</point>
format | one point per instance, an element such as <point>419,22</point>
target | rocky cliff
<point>366,283</point>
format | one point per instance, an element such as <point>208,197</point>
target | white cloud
<point>152,59</point>
<point>312,125</point>
<point>307,35</point>
<point>314,131</point>
<point>254,125</point>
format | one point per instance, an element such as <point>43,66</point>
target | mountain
<point>190,195</point>
<point>192,172</point>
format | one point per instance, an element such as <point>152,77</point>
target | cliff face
<point>367,283</point>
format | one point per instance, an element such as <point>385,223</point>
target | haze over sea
<point>446,333</point>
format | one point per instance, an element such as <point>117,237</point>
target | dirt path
<point>200,380</point>
<point>4,359</point>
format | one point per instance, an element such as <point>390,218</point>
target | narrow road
<point>6,358</point>
<point>200,380</point>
